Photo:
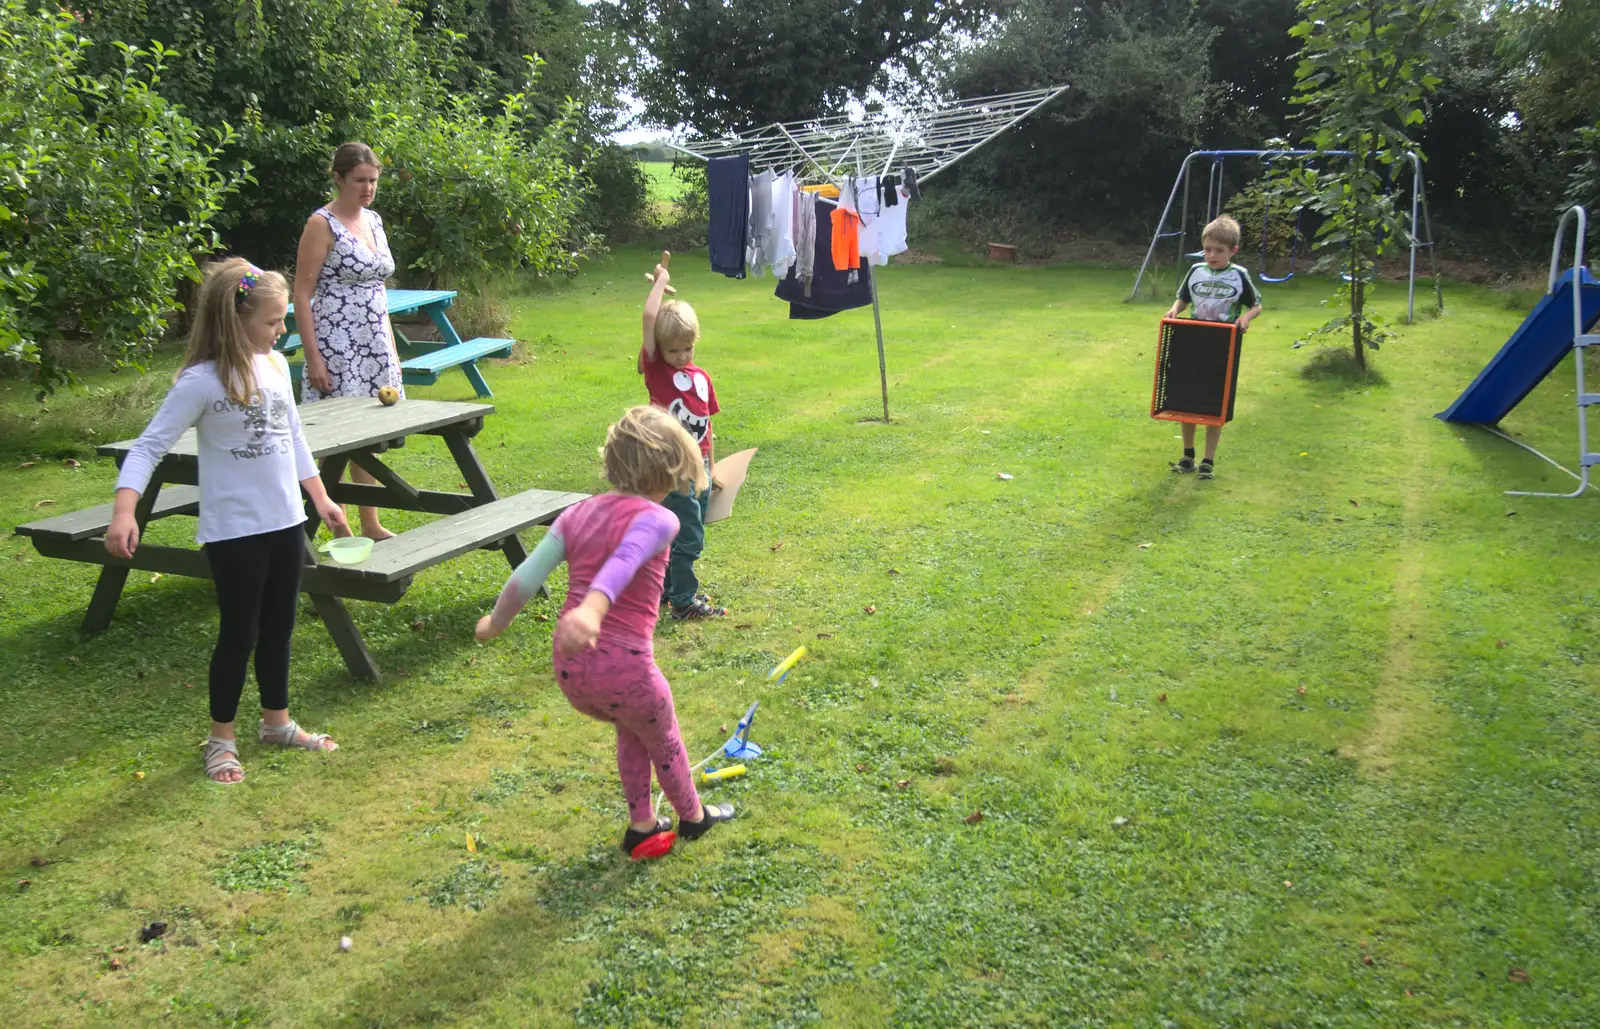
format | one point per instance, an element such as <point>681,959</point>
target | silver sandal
<point>222,756</point>
<point>287,735</point>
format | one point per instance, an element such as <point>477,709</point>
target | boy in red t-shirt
<point>676,383</point>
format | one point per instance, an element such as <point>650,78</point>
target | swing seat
<point>1264,277</point>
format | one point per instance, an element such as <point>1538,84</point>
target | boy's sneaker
<point>1206,470</point>
<point>695,610</point>
<point>705,597</point>
<point>1183,466</point>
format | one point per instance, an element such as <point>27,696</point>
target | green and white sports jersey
<point>1218,296</point>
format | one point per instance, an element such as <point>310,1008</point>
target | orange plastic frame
<point>1227,389</point>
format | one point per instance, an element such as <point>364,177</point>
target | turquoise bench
<point>425,368</point>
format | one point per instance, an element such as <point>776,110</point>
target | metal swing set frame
<point>1216,197</point>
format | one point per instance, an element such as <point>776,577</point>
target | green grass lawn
<point>1312,745</point>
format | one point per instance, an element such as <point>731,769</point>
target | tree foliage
<point>721,67</point>
<point>1365,71</point>
<point>107,195</point>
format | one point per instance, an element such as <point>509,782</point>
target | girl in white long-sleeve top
<point>234,390</point>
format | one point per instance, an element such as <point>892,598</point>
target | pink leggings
<point>623,686</point>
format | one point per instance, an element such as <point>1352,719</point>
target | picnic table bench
<point>339,431</point>
<point>422,361</point>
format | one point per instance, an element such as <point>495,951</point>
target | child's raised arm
<point>652,306</point>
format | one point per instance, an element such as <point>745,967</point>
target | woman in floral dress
<point>339,277</point>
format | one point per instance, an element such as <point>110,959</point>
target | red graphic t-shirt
<point>686,394</point>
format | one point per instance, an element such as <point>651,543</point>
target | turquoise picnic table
<point>423,361</point>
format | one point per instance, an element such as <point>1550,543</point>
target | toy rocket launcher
<point>739,747</point>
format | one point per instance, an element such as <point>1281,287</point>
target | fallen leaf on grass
<point>1510,514</point>
<point>506,725</point>
<point>188,685</point>
<point>1119,821</point>
<point>472,846</point>
<point>1002,476</point>
<point>871,609</point>
<point>153,931</point>
<point>42,503</point>
<point>1366,959</point>
<point>155,577</point>
<point>894,571</point>
<point>73,659</point>
<point>1146,546</point>
<point>1518,975</point>
<point>1500,643</point>
<point>138,775</point>
<point>541,617</point>
<point>402,673</point>
<point>824,635</point>
<point>974,818</point>
<point>25,464</point>
<point>23,884</point>
<point>1355,503</point>
<point>441,635</point>
<point>903,783</point>
<point>117,966</point>
<point>860,767</point>
<point>1300,690</point>
<point>72,463</point>
<point>418,625</point>
<point>39,862</point>
<point>1161,699</point>
<point>744,625</point>
<point>777,546</point>
<point>120,948</point>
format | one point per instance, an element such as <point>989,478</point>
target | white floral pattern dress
<point>348,311</point>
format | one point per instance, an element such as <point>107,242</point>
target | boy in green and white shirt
<point>1220,291</point>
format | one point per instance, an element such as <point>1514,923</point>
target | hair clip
<point>247,282</point>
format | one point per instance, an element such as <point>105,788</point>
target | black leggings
<point>258,589</point>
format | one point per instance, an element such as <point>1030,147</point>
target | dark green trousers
<point>682,584</point>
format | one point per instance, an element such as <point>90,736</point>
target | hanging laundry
<point>870,208</point>
<point>910,183</point>
<point>888,231</point>
<point>846,239</point>
<point>728,190</point>
<point>889,190</point>
<point>781,244</point>
<point>805,238</point>
<point>759,233</point>
<point>830,291</point>
<point>827,189</point>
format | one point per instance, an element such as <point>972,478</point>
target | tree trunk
<point>1357,300</point>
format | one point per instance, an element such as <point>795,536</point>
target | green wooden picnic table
<point>422,361</point>
<point>340,431</point>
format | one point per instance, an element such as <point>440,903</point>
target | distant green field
<point>665,186</point>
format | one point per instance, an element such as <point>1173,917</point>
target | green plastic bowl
<point>348,550</point>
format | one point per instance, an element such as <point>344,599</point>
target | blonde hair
<point>676,322</point>
<point>231,288</point>
<point>1223,230</point>
<point>648,451</point>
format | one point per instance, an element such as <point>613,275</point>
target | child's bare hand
<point>716,483</point>
<point>578,630</point>
<point>486,630</point>
<point>661,276</point>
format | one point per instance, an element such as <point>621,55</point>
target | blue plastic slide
<point>1532,352</point>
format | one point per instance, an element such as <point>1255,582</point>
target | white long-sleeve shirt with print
<point>252,456</point>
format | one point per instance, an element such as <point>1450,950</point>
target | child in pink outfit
<point>615,546</point>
